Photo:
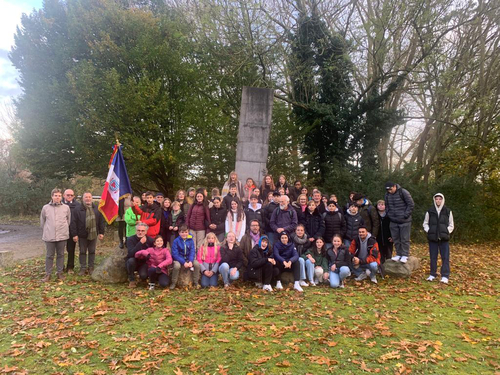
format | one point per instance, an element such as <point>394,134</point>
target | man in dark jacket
<point>368,213</point>
<point>268,213</point>
<point>366,256</point>
<point>249,239</point>
<point>399,207</point>
<point>334,223</point>
<point>87,225</point>
<point>139,241</point>
<point>284,218</point>
<point>438,224</point>
<point>69,199</point>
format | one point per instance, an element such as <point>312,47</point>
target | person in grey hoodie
<point>438,224</point>
<point>399,207</point>
<point>55,219</point>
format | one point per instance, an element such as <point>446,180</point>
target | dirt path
<point>24,240</point>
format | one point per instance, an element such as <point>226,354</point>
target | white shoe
<point>404,259</point>
<point>151,286</point>
<point>342,285</point>
<point>278,285</point>
<point>258,285</point>
<point>444,280</point>
<point>267,288</point>
<point>373,279</point>
<point>303,283</point>
<point>396,258</point>
<point>297,287</point>
<point>368,272</point>
<point>431,278</point>
<point>361,277</point>
<point>312,283</point>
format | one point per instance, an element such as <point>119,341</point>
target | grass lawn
<point>397,326</point>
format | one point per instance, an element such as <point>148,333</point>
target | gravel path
<point>24,240</point>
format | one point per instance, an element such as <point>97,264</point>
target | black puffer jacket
<point>268,212</point>
<point>314,224</point>
<point>352,225</point>
<point>399,206</point>
<point>218,217</point>
<point>256,260</point>
<point>342,258</point>
<point>334,224</point>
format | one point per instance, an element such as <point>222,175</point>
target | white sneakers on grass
<point>278,285</point>
<point>444,280</point>
<point>431,278</point>
<point>267,288</point>
<point>303,283</point>
<point>297,287</point>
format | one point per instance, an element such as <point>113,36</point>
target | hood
<point>259,206</point>
<point>367,237</point>
<point>438,209</point>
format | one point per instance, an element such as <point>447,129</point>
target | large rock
<point>112,270</point>
<point>6,258</point>
<point>398,269</point>
<point>185,277</point>
<point>287,278</point>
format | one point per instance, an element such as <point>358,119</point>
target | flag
<point>117,186</point>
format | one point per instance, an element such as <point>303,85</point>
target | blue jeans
<point>312,272</point>
<point>226,275</point>
<point>443,247</point>
<point>302,268</point>
<point>338,276</point>
<point>373,267</point>
<point>209,281</point>
<point>272,238</point>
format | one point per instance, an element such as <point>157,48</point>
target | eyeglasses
<point>70,195</point>
<point>140,230</point>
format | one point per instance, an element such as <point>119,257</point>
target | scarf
<point>90,223</point>
<point>300,242</point>
<point>255,237</point>
<point>175,216</point>
<point>230,217</point>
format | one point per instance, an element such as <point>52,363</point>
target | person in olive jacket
<point>438,224</point>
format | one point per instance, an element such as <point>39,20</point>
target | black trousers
<point>269,272</point>
<point>295,269</point>
<point>386,251</point>
<point>121,230</point>
<point>70,248</point>
<point>136,265</point>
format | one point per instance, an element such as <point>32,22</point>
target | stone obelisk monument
<point>253,135</point>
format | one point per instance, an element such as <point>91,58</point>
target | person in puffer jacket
<point>158,258</point>
<point>353,221</point>
<point>287,259</point>
<point>438,224</point>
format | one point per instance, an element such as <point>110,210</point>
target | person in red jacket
<point>366,255</point>
<point>150,214</point>
<point>198,218</point>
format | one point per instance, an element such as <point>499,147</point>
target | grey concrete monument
<point>253,135</point>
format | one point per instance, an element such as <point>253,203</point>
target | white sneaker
<point>373,279</point>
<point>396,258</point>
<point>342,285</point>
<point>151,286</point>
<point>278,285</point>
<point>303,283</point>
<point>404,259</point>
<point>444,280</point>
<point>267,288</point>
<point>297,287</point>
<point>361,277</point>
<point>258,285</point>
<point>431,278</point>
<point>312,283</point>
<point>368,272</point>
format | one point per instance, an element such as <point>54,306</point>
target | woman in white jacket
<point>236,220</point>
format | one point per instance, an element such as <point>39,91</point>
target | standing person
<point>317,198</point>
<point>368,213</point>
<point>339,263</point>
<point>267,186</point>
<point>159,198</point>
<point>218,219</point>
<point>158,259</point>
<point>183,254</point>
<point>231,260</point>
<point>254,211</point>
<point>384,238</point>
<point>86,227</point>
<point>55,220</point>
<point>198,218</point>
<point>284,218</point>
<point>334,223</point>
<point>233,179</point>
<point>139,241</point>
<point>300,207</point>
<point>316,263</point>
<point>150,214</point>
<point>123,205</point>
<point>272,205</point>
<point>191,193</point>
<point>180,197</point>
<point>283,184</point>
<point>231,196</point>
<point>248,190</point>
<point>165,221</point>
<point>365,255</point>
<point>287,259</point>
<point>175,221</point>
<point>131,219</point>
<point>350,201</point>
<point>313,223</point>
<point>236,220</point>
<point>261,265</point>
<point>69,199</point>
<point>399,207</point>
<point>295,190</point>
<point>209,256</point>
<point>353,221</point>
<point>438,224</point>
<point>143,197</point>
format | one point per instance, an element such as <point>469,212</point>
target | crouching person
<point>339,263</point>
<point>316,262</point>
<point>157,258</point>
<point>366,255</point>
<point>232,260</point>
<point>287,259</point>
<point>183,254</point>
<point>261,264</point>
<point>139,241</point>
<point>209,255</point>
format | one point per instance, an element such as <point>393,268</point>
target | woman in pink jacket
<point>209,258</point>
<point>158,259</point>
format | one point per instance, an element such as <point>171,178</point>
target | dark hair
<point>148,193</point>
<point>158,236</point>
<point>255,221</point>
<point>183,228</point>
<point>362,227</point>
<point>232,185</point>
<point>217,198</point>
<point>339,236</point>
<point>323,248</point>
<point>254,196</point>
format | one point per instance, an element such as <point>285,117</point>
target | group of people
<point>256,233</point>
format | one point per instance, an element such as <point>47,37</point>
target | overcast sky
<point>10,17</point>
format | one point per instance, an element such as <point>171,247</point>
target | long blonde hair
<point>204,247</point>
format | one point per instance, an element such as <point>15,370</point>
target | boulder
<point>398,269</point>
<point>112,269</point>
<point>6,258</point>
<point>185,278</point>
<point>287,278</point>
